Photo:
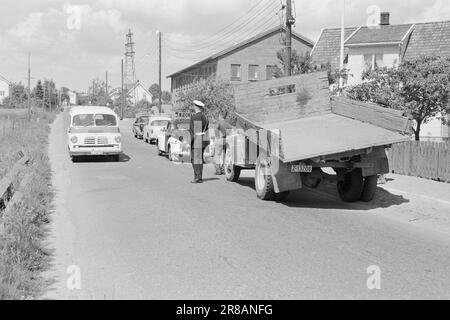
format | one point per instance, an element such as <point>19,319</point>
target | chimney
<point>384,19</point>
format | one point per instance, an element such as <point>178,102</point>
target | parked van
<point>94,131</point>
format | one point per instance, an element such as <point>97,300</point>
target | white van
<point>94,131</point>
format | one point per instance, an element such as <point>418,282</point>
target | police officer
<point>198,126</point>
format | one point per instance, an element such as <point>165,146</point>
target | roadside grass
<point>23,227</point>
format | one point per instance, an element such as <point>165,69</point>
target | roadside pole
<point>160,89</point>
<point>289,22</point>
<point>341,59</point>
<point>121,96</point>
<point>29,85</point>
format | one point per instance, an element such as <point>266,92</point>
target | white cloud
<point>29,26</point>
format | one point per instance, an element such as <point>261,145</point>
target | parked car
<point>139,124</point>
<point>94,131</point>
<point>174,142</point>
<point>155,126</point>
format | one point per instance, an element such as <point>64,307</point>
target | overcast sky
<point>74,42</point>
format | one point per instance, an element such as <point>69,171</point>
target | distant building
<point>135,94</point>
<point>139,93</point>
<point>385,45</point>
<point>72,97</point>
<point>250,60</point>
<point>5,88</point>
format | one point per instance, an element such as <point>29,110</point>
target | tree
<point>98,93</point>
<point>218,96</point>
<point>154,90</point>
<point>300,63</point>
<point>420,87</point>
<point>38,91</point>
<point>166,97</point>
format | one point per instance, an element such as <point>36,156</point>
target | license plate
<point>97,153</point>
<point>301,169</point>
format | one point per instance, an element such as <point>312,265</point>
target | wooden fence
<point>430,160</point>
<point>10,125</point>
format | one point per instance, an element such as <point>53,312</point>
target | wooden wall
<point>257,102</point>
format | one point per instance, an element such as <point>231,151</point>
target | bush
<point>218,96</point>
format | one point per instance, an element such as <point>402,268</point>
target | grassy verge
<point>22,253</point>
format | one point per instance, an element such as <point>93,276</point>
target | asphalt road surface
<point>138,229</point>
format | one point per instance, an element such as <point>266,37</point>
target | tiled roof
<point>327,48</point>
<point>431,38</point>
<point>381,34</point>
<point>242,44</point>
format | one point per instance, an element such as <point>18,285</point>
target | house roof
<point>139,84</point>
<point>430,38</point>
<point>327,47</point>
<point>383,34</point>
<point>247,42</point>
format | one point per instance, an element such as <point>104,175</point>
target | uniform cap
<point>199,104</point>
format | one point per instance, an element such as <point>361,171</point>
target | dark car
<point>138,126</point>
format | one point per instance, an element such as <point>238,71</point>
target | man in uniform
<point>198,126</point>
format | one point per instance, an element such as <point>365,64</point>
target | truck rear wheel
<point>351,187</point>
<point>369,189</point>
<point>232,172</point>
<point>263,181</point>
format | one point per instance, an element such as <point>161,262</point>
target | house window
<point>235,72</point>
<point>2,93</point>
<point>253,72</point>
<point>270,72</point>
<point>373,61</point>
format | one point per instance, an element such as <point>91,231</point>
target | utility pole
<point>121,96</point>
<point>289,22</point>
<point>341,62</point>
<point>160,63</point>
<point>106,89</point>
<point>29,84</point>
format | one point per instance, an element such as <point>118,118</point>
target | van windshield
<point>90,120</point>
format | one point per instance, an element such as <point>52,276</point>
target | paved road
<point>139,230</point>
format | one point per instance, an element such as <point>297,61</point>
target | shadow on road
<point>326,197</point>
<point>101,159</point>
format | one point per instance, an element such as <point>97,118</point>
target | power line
<point>231,33</point>
<point>272,22</point>
<point>225,28</point>
<point>261,24</point>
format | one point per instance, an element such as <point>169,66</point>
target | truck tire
<point>351,188</point>
<point>263,181</point>
<point>232,172</point>
<point>369,189</point>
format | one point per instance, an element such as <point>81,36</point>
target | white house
<point>72,97</point>
<point>385,45</point>
<point>135,94</point>
<point>5,86</point>
<point>139,93</point>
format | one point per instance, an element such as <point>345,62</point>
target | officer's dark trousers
<point>198,171</point>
